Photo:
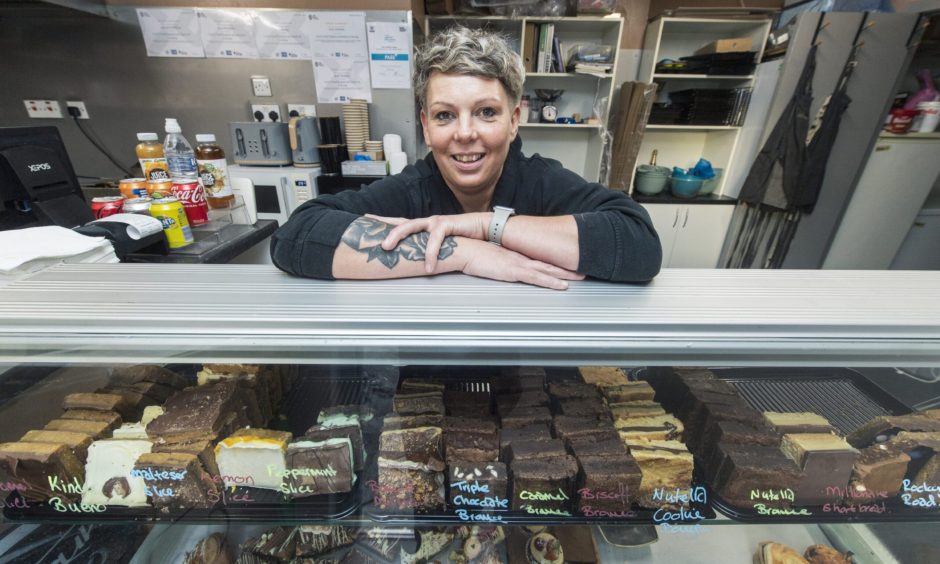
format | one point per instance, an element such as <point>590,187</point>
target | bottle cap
<point>172,126</point>
<point>205,138</point>
<point>146,136</point>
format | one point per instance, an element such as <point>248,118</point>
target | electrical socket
<point>82,110</point>
<point>266,109</point>
<point>43,108</point>
<point>261,86</point>
<point>309,110</point>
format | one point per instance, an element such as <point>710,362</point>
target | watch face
<point>549,113</point>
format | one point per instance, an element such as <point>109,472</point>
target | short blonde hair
<point>476,52</point>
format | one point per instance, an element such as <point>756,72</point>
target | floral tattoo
<point>365,235</point>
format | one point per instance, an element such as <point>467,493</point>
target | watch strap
<point>501,215</point>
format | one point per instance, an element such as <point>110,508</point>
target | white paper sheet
<point>171,32</point>
<point>138,225</point>
<point>340,56</point>
<point>389,54</point>
<point>280,35</point>
<point>228,33</point>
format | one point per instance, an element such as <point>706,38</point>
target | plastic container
<point>180,157</point>
<point>929,116</point>
<point>150,155</point>
<point>213,171</point>
<point>685,187</point>
<point>710,184</point>
<point>899,120</point>
<point>651,180</point>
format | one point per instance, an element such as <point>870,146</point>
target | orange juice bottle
<point>150,154</point>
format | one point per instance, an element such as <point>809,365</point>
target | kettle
<point>304,139</point>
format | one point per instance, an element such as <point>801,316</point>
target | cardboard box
<point>730,45</point>
<point>365,168</point>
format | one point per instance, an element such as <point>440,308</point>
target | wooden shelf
<point>677,76</point>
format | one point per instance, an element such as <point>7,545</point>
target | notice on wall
<point>171,32</point>
<point>340,56</point>
<point>228,34</point>
<point>389,59</point>
<point>281,35</point>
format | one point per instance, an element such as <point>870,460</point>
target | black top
<point>615,235</point>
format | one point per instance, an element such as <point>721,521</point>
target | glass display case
<point>182,413</point>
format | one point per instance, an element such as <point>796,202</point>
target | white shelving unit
<point>692,234</point>
<point>579,147</point>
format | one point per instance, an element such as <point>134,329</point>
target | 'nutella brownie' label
<point>767,502</point>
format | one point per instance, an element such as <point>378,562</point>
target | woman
<point>474,189</point>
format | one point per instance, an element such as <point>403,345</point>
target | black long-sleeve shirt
<point>615,235</point>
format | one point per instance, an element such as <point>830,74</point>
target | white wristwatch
<point>501,215</point>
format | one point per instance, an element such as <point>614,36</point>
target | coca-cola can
<point>193,197</point>
<point>104,206</point>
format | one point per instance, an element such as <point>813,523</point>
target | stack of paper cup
<point>929,116</point>
<point>397,162</point>
<point>391,143</point>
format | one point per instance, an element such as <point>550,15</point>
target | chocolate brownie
<point>608,483</point>
<point>528,433</point>
<point>422,445</point>
<point>748,468</point>
<point>544,486</point>
<point>525,450</point>
<point>477,485</point>
<point>567,427</point>
<point>525,416</point>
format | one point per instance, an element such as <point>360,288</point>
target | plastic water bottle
<point>180,157</point>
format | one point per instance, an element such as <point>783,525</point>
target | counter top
<point>214,247</point>
<point>667,198</point>
<point>255,313</point>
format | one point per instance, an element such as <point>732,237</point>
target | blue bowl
<point>685,187</point>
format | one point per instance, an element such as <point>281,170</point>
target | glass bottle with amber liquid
<point>213,171</point>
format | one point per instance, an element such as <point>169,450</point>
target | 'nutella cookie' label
<point>676,514</point>
<point>921,494</point>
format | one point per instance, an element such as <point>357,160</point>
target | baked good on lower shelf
<point>748,468</point>
<point>420,403</point>
<point>664,465</point>
<point>544,486</point>
<point>381,541</point>
<point>197,413</point>
<point>318,467</point>
<point>801,422</point>
<point>525,416</point>
<point>39,471</point>
<point>544,548</point>
<point>255,455</point>
<point>602,375</point>
<point>176,481</point>
<point>822,554</point>
<point>278,544</point>
<point>94,429</point>
<point>335,428</point>
<point>879,468</point>
<point>881,429</point>
<point>777,553</point>
<point>112,418</point>
<point>656,428</point>
<point>78,442</point>
<point>109,473</point>
<point>315,540</point>
<point>404,485</point>
<point>423,445</point>
<point>528,433</point>
<point>98,402</point>
<point>525,450</point>
<point>608,483</point>
<point>210,550</point>
<point>477,485</point>
<point>826,462</point>
<point>629,391</point>
<point>432,543</point>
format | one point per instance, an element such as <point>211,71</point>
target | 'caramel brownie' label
<point>544,503</point>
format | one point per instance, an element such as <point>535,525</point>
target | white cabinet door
<point>665,219</point>
<point>700,234</point>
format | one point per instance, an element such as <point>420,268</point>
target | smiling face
<point>468,124</point>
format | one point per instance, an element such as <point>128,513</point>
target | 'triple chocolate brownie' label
<point>766,502</point>
<point>475,502</point>
<point>921,494</point>
<point>676,515</point>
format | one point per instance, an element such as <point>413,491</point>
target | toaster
<point>261,143</point>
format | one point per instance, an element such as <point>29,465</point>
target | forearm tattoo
<point>365,235</point>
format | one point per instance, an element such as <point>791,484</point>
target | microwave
<point>277,191</point>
